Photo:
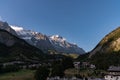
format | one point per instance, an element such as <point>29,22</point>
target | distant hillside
<point>107,52</point>
<point>13,48</point>
<point>110,43</point>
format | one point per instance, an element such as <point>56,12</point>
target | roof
<point>114,69</point>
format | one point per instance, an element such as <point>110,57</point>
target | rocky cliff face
<point>61,45</point>
<point>42,42</point>
<point>5,26</point>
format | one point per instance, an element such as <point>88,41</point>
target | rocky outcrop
<point>5,26</point>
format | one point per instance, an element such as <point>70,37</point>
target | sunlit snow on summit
<point>16,28</point>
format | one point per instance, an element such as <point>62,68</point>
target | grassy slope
<point>112,36</point>
<point>107,56</point>
<point>20,75</point>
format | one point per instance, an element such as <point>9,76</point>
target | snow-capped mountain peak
<point>16,28</point>
<point>57,38</point>
<point>22,31</point>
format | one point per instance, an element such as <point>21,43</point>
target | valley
<point>22,51</point>
<point>59,40</point>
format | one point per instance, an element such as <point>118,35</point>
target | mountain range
<point>47,43</point>
<point>17,43</point>
<point>14,48</point>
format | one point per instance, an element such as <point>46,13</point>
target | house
<point>34,66</point>
<point>85,64</point>
<point>113,73</point>
<point>77,65</point>
<point>64,78</point>
<point>92,66</point>
<point>22,65</point>
<point>12,63</point>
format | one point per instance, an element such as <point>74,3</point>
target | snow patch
<point>16,28</point>
<point>58,38</point>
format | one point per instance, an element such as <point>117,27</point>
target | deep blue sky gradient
<point>84,22</point>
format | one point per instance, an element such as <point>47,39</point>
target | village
<point>112,73</point>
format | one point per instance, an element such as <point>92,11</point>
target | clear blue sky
<point>84,22</point>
